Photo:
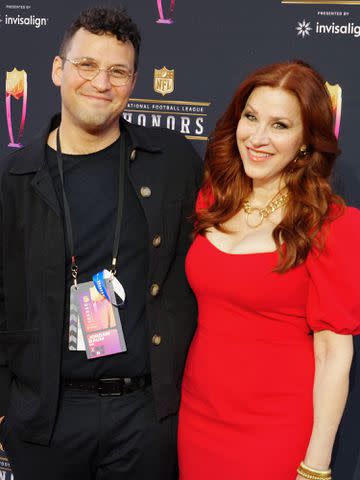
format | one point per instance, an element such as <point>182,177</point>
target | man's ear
<point>57,70</point>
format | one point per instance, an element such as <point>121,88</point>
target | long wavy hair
<point>311,200</point>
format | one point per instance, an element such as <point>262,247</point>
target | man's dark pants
<point>99,438</point>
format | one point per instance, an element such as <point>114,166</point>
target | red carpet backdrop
<point>194,55</point>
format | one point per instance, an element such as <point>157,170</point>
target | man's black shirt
<point>91,185</point>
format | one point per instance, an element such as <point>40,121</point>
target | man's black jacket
<point>32,274</point>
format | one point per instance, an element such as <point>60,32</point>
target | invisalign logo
<point>335,29</point>
<point>304,29</point>
<point>28,21</point>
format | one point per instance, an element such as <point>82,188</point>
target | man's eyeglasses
<point>88,69</point>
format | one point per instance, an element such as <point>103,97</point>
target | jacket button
<point>156,241</point>
<point>145,192</point>
<point>133,154</point>
<point>156,339</point>
<point>154,289</point>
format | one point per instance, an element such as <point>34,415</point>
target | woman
<point>273,266</point>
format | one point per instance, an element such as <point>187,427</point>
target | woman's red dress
<point>247,395</point>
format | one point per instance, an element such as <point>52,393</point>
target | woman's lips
<point>258,155</point>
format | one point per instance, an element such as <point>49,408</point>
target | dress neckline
<point>235,254</point>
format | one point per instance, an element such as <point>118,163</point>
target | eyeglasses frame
<point>76,63</point>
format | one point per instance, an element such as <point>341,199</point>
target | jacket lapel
<point>44,187</point>
<point>145,171</point>
<point>31,161</point>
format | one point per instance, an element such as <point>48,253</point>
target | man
<point>95,193</point>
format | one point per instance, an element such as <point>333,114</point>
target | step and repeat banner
<point>194,55</point>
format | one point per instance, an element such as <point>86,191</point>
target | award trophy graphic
<point>168,20</point>
<point>335,92</point>
<point>16,86</point>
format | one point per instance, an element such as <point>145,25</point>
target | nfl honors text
<point>187,117</point>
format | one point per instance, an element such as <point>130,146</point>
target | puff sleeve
<point>334,291</point>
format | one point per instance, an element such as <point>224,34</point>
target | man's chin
<point>95,124</point>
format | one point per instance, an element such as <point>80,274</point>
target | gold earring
<point>303,151</point>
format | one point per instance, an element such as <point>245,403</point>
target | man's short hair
<point>102,21</point>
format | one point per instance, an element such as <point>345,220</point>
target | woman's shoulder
<point>344,219</point>
<point>342,228</point>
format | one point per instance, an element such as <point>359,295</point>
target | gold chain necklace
<point>275,203</point>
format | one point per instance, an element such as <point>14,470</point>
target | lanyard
<point>69,230</point>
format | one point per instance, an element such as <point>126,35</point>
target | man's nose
<point>101,81</point>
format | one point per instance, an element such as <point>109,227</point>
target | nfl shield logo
<point>164,81</point>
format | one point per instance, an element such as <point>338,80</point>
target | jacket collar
<point>32,157</point>
<point>140,138</point>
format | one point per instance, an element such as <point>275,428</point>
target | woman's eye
<point>280,125</point>
<point>250,116</point>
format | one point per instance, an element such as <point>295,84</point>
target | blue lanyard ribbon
<point>100,285</point>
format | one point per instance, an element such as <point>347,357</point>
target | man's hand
<point>1,419</point>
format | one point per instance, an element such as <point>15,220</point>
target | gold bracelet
<point>315,471</point>
<point>308,476</point>
<point>312,474</point>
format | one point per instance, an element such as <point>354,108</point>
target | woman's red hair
<point>226,184</point>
